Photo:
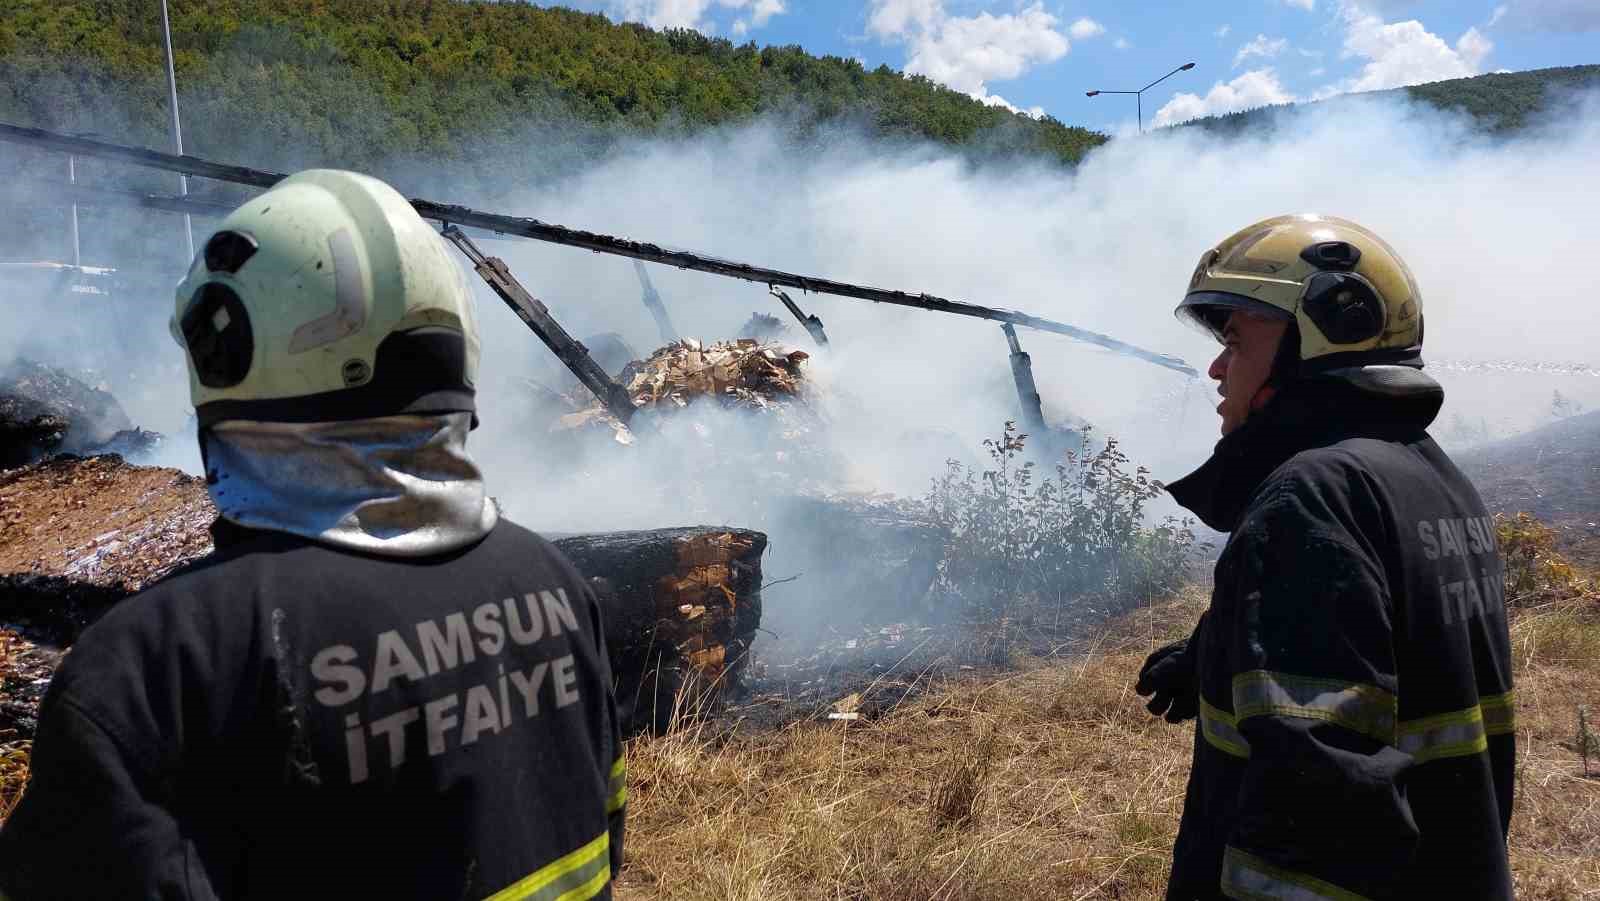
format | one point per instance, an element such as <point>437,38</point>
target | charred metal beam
<point>652,302</point>
<point>812,323</point>
<point>537,316</point>
<point>139,156</point>
<point>557,234</point>
<point>89,195</point>
<point>1022,374</point>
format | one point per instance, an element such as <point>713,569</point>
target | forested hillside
<point>360,82</point>
<point>462,98</point>
<point>1497,103</point>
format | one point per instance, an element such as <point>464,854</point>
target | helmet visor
<point>1208,311</point>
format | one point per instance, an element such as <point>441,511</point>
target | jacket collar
<point>1373,401</point>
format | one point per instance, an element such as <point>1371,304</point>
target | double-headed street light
<point>1140,93</point>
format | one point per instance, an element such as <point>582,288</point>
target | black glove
<point>1169,674</point>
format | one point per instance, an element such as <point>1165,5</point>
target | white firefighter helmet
<point>326,298</point>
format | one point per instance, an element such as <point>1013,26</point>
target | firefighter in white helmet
<point>376,687</point>
<point>1352,676</point>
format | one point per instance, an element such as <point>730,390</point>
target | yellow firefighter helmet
<point>1352,297</point>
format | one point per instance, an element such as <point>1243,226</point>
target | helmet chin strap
<point>1263,396</point>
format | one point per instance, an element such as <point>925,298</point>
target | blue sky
<point>1043,55</point>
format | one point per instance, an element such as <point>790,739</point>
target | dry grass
<point>13,774</point>
<point>14,754</point>
<point>1049,782</point>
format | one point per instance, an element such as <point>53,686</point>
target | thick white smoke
<point>1494,228</point>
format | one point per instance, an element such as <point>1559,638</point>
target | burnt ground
<point>1553,473</point>
<point>865,671</point>
<point>78,534</point>
<point>100,521</point>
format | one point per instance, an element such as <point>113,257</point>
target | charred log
<point>681,609</point>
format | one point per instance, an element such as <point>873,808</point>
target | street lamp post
<point>1139,94</point>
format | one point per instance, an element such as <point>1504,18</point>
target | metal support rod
<point>72,178</point>
<point>537,316</point>
<point>652,302</point>
<point>812,323</point>
<point>177,128</point>
<point>557,234</point>
<point>1022,374</point>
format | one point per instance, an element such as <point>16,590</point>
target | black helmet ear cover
<point>216,330</point>
<point>1344,307</point>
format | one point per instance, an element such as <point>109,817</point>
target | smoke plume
<point>1491,225</point>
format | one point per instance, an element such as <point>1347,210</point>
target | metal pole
<point>177,129</point>
<point>72,177</point>
<point>1138,99</point>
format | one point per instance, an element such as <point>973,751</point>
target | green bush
<point>1537,573</point>
<point>1017,541</point>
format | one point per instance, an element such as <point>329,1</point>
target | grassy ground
<point>1050,782</point>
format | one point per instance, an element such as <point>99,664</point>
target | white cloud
<point>762,11</point>
<point>1258,87</point>
<point>1307,5</point>
<point>1086,28</point>
<point>693,13</point>
<point>1499,13</point>
<point>1036,112</point>
<point>897,18</point>
<point>1404,53</point>
<point>1223,31</point>
<point>1261,46</point>
<point>1553,15</point>
<point>1385,6</point>
<point>967,53</point>
<point>1121,44</point>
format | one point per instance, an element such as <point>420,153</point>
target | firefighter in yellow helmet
<point>377,687</point>
<point>1352,675</point>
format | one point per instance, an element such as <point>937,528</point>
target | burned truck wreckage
<point>84,525</point>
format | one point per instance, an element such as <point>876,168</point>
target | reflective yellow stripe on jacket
<point>1362,708</point>
<point>574,877</point>
<point>1221,731</point>
<point>1499,713</point>
<point>617,791</point>
<point>1458,733</point>
<point>1249,877</point>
